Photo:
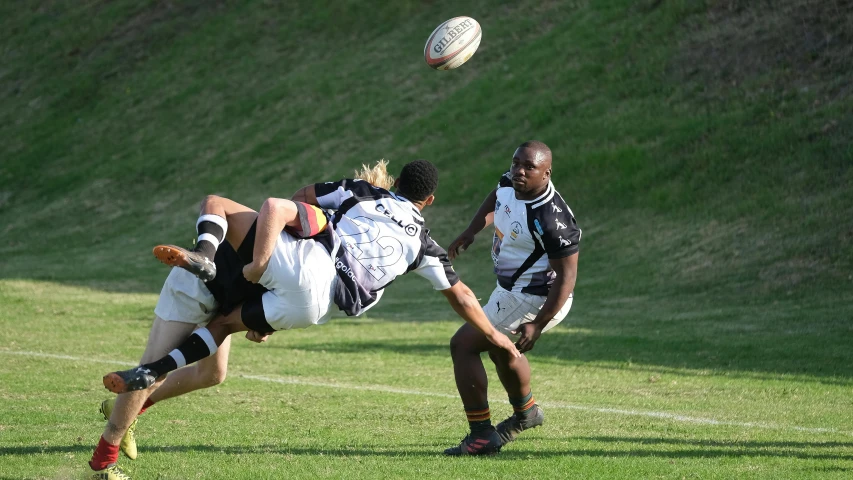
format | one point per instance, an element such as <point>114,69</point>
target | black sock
<point>211,232</point>
<point>479,418</point>
<point>199,345</point>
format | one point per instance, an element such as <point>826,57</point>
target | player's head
<point>418,181</point>
<point>531,167</point>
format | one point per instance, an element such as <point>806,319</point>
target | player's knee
<point>210,199</point>
<point>214,377</point>
<point>460,344</point>
<point>499,356</point>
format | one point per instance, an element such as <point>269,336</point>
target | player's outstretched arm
<point>464,302</point>
<point>483,218</point>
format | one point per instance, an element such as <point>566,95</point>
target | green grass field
<point>704,147</point>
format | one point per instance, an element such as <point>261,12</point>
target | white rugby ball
<point>452,43</point>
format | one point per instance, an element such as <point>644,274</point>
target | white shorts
<point>300,278</point>
<point>185,298</point>
<point>507,310</point>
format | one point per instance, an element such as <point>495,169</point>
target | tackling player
<point>185,303</point>
<point>535,252</point>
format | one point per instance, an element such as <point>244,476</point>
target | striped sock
<point>211,232</point>
<point>479,418</point>
<point>523,405</point>
<point>199,345</point>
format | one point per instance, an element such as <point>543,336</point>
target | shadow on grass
<point>633,447</point>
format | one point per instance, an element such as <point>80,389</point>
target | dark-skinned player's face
<point>530,171</point>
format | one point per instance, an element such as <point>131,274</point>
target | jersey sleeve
<point>505,180</point>
<point>333,194</point>
<point>436,267</point>
<point>557,229</point>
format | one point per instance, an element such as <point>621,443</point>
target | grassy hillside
<point>118,117</point>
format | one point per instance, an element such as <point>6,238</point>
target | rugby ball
<point>452,43</point>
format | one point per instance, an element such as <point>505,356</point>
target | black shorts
<point>231,289</point>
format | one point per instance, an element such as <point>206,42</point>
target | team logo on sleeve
<point>556,208</point>
<point>564,242</point>
<point>560,225</point>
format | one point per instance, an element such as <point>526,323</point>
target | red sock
<point>146,406</point>
<point>104,455</point>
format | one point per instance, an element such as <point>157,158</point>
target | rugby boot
<point>480,443</point>
<point>112,472</point>
<point>128,441</point>
<point>516,423</point>
<point>193,262</point>
<point>138,378</point>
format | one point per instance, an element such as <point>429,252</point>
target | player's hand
<point>253,272</point>
<point>504,342</point>
<point>462,242</point>
<point>529,332</point>
<point>257,337</point>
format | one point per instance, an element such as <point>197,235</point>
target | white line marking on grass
<point>67,357</point>
<point>401,391</point>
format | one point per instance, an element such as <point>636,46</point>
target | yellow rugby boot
<point>110,473</point>
<point>128,441</point>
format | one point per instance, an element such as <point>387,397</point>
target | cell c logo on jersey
<point>410,229</point>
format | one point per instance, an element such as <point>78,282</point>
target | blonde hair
<point>376,175</point>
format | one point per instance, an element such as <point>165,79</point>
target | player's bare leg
<point>163,337</point>
<point>201,344</point>
<point>514,374</point>
<point>472,384</point>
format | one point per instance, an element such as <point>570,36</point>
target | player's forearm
<point>485,214</point>
<point>466,306</point>
<point>559,294</point>
<point>274,215</point>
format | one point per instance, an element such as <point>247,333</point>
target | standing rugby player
<point>535,252</point>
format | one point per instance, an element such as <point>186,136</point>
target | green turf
<point>703,146</point>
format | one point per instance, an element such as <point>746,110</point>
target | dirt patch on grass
<point>802,44</point>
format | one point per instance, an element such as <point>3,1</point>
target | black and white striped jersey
<point>377,236</point>
<point>527,234</point>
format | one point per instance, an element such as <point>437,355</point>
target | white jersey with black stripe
<point>377,236</point>
<point>527,234</point>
